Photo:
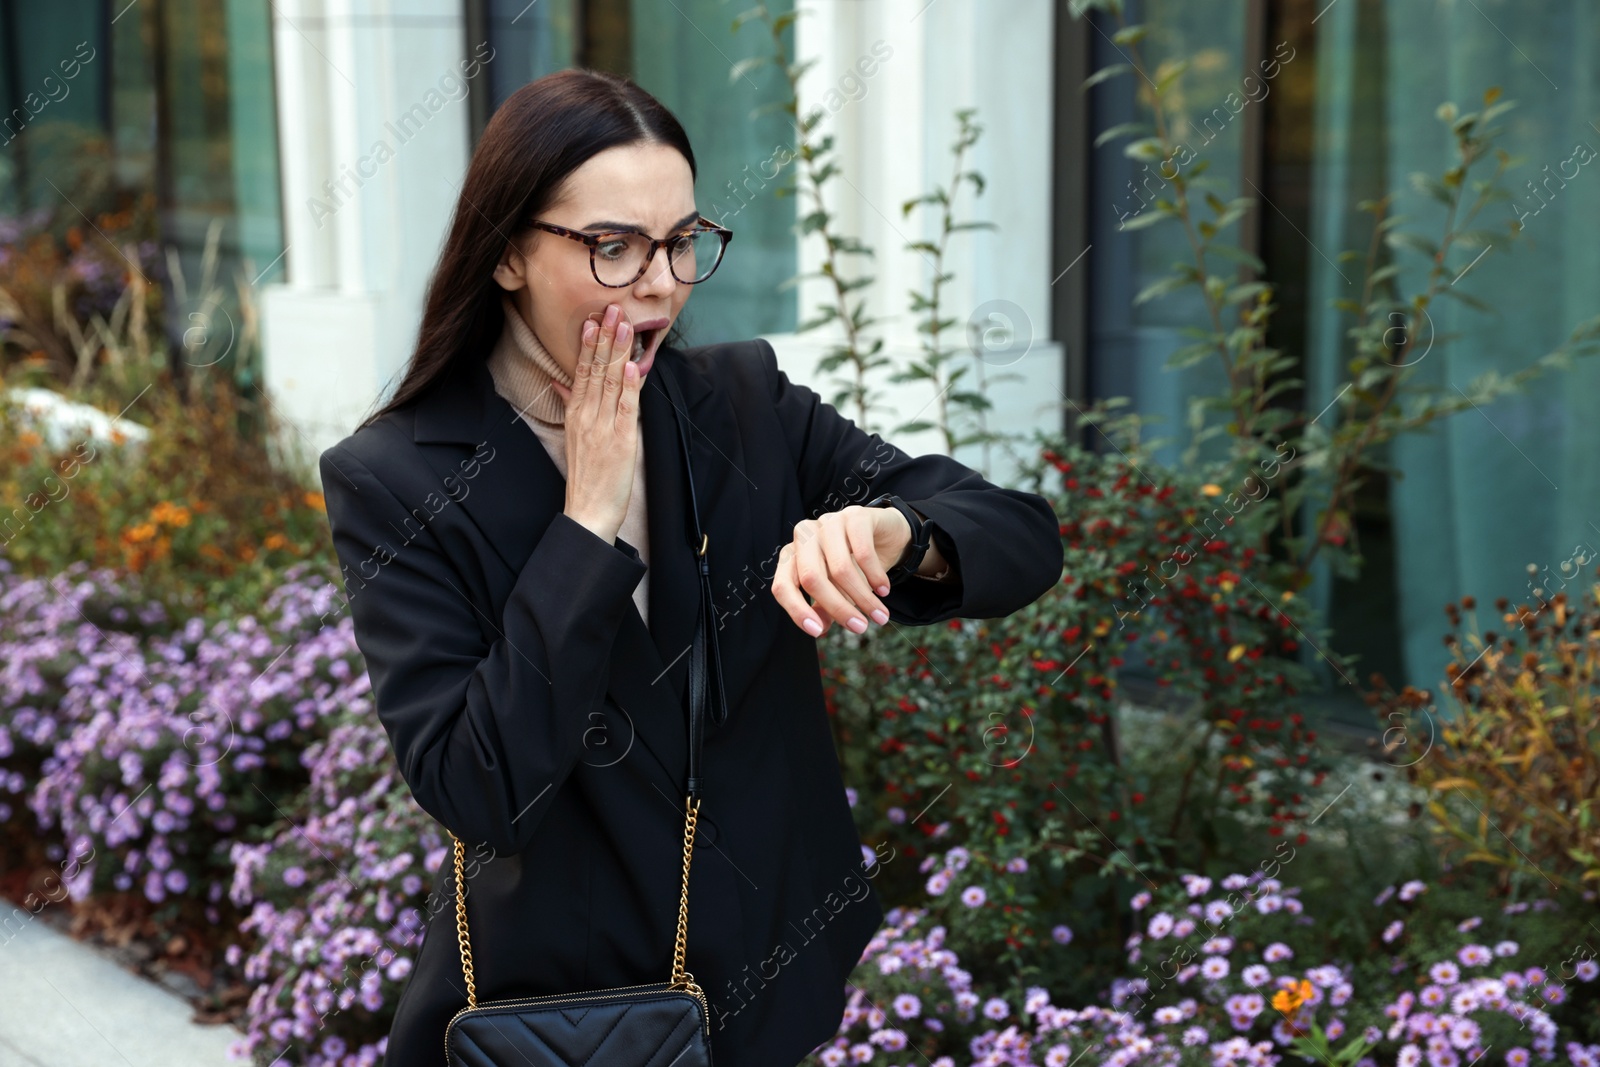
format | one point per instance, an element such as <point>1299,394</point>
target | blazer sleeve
<point>484,732</point>
<point>1004,545</point>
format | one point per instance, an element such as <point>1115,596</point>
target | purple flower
<point>1062,934</point>
<point>973,896</point>
<point>995,1008</point>
<point>1277,951</point>
<point>907,1006</point>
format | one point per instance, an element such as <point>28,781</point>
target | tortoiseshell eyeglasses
<point>619,258</point>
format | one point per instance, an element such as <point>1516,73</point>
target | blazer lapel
<point>649,664</point>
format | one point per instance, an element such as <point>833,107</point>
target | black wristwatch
<point>921,537</point>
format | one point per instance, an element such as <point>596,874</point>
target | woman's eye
<point>611,249</point>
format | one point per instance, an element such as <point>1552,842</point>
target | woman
<point>508,522</point>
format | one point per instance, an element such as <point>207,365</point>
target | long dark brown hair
<point>540,135</point>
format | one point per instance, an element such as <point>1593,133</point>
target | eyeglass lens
<point>693,255</point>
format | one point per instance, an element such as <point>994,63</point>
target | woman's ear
<point>511,271</point>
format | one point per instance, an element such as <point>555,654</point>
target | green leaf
<point>1142,220</point>
<point>1412,242</point>
<point>1170,76</point>
<point>1121,129</point>
<point>1105,74</point>
<point>1130,34</point>
<point>1427,183</point>
<point>1146,149</point>
<point>1160,287</point>
<point>1238,255</point>
<point>745,66</point>
<point>1189,355</point>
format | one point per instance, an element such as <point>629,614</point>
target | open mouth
<point>644,343</point>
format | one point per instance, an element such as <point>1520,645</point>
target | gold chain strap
<point>461,926</point>
<point>681,978</point>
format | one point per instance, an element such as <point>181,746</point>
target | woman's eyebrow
<point>605,224</point>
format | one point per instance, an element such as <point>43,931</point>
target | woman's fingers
<point>786,591</point>
<point>583,372</point>
<point>847,549</point>
<point>621,347</point>
<point>824,560</point>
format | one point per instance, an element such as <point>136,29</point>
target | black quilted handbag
<point>656,1024</point>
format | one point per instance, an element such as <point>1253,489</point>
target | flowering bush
<point>1513,763</point>
<point>1230,973</point>
<point>201,514</point>
<point>145,748</point>
<point>1004,735</point>
<point>336,904</point>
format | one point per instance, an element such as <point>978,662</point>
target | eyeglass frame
<point>701,225</point>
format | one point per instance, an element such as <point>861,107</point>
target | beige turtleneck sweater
<point>522,369</point>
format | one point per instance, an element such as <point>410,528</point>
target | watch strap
<point>916,548</point>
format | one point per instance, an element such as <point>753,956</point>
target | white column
<point>893,128</point>
<point>373,142</point>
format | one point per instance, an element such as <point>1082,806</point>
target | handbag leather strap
<point>705,684</point>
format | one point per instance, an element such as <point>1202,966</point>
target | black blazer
<point>534,714</point>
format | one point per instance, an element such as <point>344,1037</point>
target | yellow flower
<point>1236,653</point>
<point>1211,489</point>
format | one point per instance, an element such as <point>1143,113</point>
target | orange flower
<point>211,551</point>
<point>170,514</point>
<point>274,541</point>
<point>1289,999</point>
<point>314,500</point>
<point>142,532</point>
